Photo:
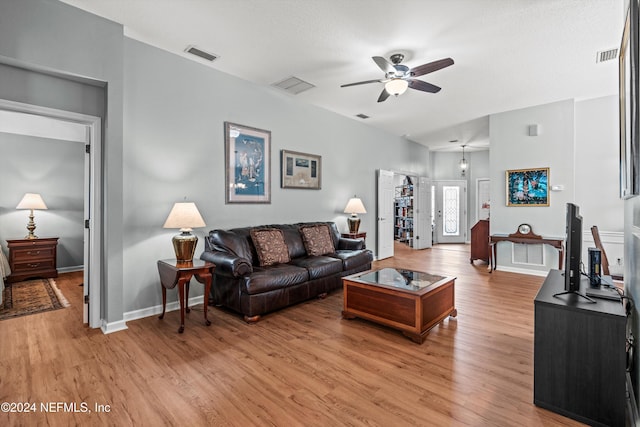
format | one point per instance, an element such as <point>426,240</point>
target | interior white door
<point>422,214</point>
<point>451,211</point>
<point>385,214</point>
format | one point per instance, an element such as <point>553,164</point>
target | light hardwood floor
<point>301,366</point>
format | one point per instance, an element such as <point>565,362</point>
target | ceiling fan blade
<point>431,67</point>
<point>423,86</point>
<point>384,65</point>
<point>362,83</point>
<point>383,95</point>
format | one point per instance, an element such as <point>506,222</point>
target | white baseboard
<point>157,309</point>
<point>110,327</point>
<point>509,269</point>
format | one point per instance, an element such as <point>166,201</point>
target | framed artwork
<point>300,170</point>
<point>247,164</point>
<point>528,187</point>
<point>628,93</point>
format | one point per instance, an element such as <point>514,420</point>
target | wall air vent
<point>606,55</point>
<point>201,53</point>
<point>293,85</point>
<point>362,116</point>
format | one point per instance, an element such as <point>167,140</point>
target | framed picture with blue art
<point>528,187</point>
<point>247,164</point>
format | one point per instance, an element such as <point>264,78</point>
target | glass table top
<point>398,278</point>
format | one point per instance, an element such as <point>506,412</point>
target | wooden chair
<point>603,255</point>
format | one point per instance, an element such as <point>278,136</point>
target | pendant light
<point>463,163</point>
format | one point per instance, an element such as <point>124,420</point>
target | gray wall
<point>174,149</point>
<point>55,170</point>
<point>578,141</point>
<point>596,164</point>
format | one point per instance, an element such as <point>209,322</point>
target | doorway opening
<point>89,129</point>
<point>403,212</point>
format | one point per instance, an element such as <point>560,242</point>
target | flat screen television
<point>573,249</point>
<point>573,255</point>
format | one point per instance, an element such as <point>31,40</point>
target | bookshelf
<point>403,213</point>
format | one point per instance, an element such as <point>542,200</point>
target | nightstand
<point>29,258</point>
<point>174,273</point>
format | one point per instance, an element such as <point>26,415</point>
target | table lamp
<point>354,207</point>
<point>184,216</point>
<point>31,201</point>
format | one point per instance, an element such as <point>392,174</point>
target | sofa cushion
<point>270,246</point>
<point>264,279</point>
<point>317,240</point>
<point>232,241</point>
<point>319,266</point>
<point>353,259</point>
<point>293,239</point>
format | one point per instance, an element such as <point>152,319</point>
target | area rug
<point>30,297</point>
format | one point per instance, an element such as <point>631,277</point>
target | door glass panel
<point>450,210</point>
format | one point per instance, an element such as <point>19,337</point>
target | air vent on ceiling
<point>606,55</point>
<point>362,116</point>
<point>293,85</point>
<point>201,53</point>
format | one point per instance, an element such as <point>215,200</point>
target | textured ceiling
<point>508,54</point>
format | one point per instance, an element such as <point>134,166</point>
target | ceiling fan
<point>398,77</point>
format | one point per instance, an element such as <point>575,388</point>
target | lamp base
<point>31,227</point>
<point>354,223</point>
<point>184,245</point>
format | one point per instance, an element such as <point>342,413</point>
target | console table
<point>528,239</point>
<point>579,360</point>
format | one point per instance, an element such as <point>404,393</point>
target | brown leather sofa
<point>243,285</point>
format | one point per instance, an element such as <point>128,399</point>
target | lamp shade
<point>31,201</point>
<point>184,216</point>
<point>396,86</point>
<point>355,206</point>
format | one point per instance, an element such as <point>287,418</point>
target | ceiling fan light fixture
<point>396,86</point>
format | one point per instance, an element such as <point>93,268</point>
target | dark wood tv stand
<point>579,355</point>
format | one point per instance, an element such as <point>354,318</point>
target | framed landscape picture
<point>301,170</point>
<point>247,164</point>
<point>528,187</point>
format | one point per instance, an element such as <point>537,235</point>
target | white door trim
<point>95,194</point>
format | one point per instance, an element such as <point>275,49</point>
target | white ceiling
<point>508,54</point>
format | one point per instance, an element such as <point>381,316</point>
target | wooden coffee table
<point>411,301</point>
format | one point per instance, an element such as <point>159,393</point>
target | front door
<point>451,211</point>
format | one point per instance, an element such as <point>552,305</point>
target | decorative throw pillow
<point>270,246</point>
<point>317,240</point>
